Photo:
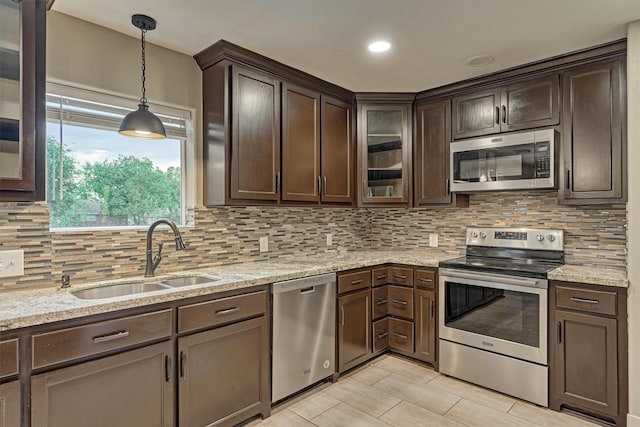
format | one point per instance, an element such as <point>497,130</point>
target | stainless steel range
<point>493,305</point>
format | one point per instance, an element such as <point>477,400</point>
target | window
<point>99,178</point>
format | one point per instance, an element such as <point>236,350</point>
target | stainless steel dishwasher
<point>304,326</point>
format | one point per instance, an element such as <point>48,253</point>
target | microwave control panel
<point>542,159</point>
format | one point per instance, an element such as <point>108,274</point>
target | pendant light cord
<point>143,100</point>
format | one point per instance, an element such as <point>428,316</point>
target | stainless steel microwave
<point>525,160</point>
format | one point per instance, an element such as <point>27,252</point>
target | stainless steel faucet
<point>152,262</point>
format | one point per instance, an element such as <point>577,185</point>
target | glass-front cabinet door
<point>385,154</point>
<point>22,38</point>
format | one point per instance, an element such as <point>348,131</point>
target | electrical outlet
<point>11,263</point>
<point>264,244</point>
<point>433,240</point>
<point>329,239</point>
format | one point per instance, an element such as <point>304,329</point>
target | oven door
<point>498,313</point>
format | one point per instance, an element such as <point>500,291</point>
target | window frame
<point>129,103</point>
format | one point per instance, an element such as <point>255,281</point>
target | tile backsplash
<point>594,236</point>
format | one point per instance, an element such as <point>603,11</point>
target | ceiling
<point>431,39</point>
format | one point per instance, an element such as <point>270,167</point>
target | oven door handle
<point>508,280</point>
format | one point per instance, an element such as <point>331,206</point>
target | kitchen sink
<point>188,281</point>
<point>118,290</point>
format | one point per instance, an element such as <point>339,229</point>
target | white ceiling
<point>328,38</point>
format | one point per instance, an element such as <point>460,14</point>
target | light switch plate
<point>433,240</point>
<point>329,239</point>
<point>11,263</point>
<point>264,244</point>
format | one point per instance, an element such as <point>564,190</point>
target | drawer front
<point>401,335</point>
<point>425,279</point>
<point>95,338</point>
<point>380,276</point>
<point>400,301</point>
<point>224,310</point>
<point>401,276</point>
<point>9,358</point>
<point>381,335</point>
<point>354,281</point>
<point>380,302</point>
<point>586,300</point>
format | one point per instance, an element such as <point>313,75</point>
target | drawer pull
<point>424,279</point>
<point>404,337</point>
<point>400,276</point>
<point>382,302</point>
<point>227,311</point>
<point>397,301</point>
<point>356,282</point>
<point>584,300</point>
<point>110,337</point>
<point>380,277</point>
<point>382,335</point>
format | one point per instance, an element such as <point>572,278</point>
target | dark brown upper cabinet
<point>255,136</point>
<point>301,178</point>
<point>431,155</point>
<point>317,149</point>
<point>521,105</point>
<point>22,124</point>
<point>384,147</point>
<point>337,156</point>
<point>594,134</point>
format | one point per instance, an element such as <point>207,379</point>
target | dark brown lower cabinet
<point>10,404</point>
<point>425,321</point>
<point>354,329</point>
<point>586,361</point>
<point>381,335</point>
<point>224,374</point>
<point>588,340</point>
<point>134,388</point>
<point>400,335</point>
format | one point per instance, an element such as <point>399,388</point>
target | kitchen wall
<point>594,236</point>
<point>633,137</point>
<point>220,235</point>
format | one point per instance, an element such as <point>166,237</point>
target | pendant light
<point>142,123</point>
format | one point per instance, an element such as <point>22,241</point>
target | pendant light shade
<point>142,123</point>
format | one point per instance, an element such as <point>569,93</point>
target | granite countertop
<point>591,275</point>
<point>29,308</point>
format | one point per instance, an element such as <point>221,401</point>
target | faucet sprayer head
<point>179,243</point>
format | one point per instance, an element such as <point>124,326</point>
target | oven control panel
<point>520,238</point>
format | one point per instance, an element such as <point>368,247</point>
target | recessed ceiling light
<point>379,46</point>
<point>479,61</point>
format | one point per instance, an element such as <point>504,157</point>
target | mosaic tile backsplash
<point>594,236</point>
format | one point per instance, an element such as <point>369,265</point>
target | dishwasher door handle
<point>309,290</point>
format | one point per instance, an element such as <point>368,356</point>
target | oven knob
<point>539,237</point>
<point>474,234</point>
<point>551,237</point>
<point>483,235</point>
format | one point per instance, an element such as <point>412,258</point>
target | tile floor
<point>395,391</point>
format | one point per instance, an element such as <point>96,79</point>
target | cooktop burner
<point>518,252</point>
<point>513,267</point>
